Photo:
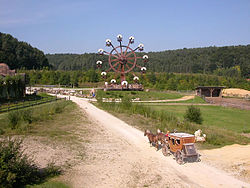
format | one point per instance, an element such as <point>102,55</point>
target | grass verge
<point>20,121</point>
<point>143,95</point>
<point>150,117</point>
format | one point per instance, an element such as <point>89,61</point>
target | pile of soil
<point>235,92</point>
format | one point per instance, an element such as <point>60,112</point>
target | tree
<point>193,114</point>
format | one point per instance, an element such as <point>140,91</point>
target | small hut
<point>209,91</point>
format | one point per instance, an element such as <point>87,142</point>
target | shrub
<point>27,116</point>
<point>16,169</point>
<point>193,114</point>
<point>13,119</point>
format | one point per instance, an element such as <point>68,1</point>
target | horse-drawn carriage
<point>181,145</point>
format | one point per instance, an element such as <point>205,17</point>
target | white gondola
<point>99,62</point>
<point>143,70</point>
<point>136,78</point>
<point>132,39</point>
<point>145,57</point>
<point>113,81</point>
<point>108,42</point>
<point>141,47</point>
<point>119,38</point>
<point>103,73</point>
<point>101,51</point>
<point>124,83</point>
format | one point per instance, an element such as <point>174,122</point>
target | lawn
<point>143,95</point>
<point>229,118</point>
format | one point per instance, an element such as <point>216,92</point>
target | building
<point>5,70</point>
<point>209,91</point>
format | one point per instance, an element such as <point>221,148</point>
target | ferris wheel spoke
<point>113,55</point>
<point>113,60</point>
<point>130,62</point>
<point>138,66</point>
<point>131,52</point>
<point>119,55</point>
<point>128,67</point>
<point>127,48</point>
<point>119,67</point>
<point>121,48</point>
<point>115,64</point>
<point>108,69</point>
<point>131,58</point>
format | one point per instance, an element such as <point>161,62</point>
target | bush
<point>21,119</point>
<point>193,114</point>
<point>17,170</point>
<point>13,118</point>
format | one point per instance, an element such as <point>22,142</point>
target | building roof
<point>210,87</point>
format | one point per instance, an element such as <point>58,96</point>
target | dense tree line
<point>224,61</point>
<point>19,54</point>
<point>163,81</point>
<point>12,87</point>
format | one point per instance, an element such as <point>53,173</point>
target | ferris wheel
<point>123,59</point>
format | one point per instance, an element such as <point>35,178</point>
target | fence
<point>28,103</point>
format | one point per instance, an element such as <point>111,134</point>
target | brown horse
<point>162,138</point>
<point>152,138</point>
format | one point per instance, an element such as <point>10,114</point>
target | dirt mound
<point>234,159</point>
<point>235,92</point>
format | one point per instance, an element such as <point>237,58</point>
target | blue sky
<point>79,26</point>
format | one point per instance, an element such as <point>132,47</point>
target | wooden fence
<point>28,103</point>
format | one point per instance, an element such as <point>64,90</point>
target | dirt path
<point>185,98</point>
<point>118,155</point>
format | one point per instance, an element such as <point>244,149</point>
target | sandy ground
<point>169,100</point>
<point>234,159</point>
<point>236,92</point>
<point>118,155</point>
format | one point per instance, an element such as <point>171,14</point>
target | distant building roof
<point>210,87</point>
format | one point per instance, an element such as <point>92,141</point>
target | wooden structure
<point>123,59</point>
<point>119,87</point>
<point>181,145</point>
<point>209,91</point>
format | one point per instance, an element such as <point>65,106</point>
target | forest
<point>159,81</point>
<point>222,61</point>
<point>182,69</point>
<point>19,54</point>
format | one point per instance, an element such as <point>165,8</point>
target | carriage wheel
<point>198,158</point>
<point>165,150</point>
<point>179,158</point>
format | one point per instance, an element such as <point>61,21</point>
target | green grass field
<point>229,118</point>
<point>143,95</point>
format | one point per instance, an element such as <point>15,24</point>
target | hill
<point>223,61</point>
<point>19,54</point>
